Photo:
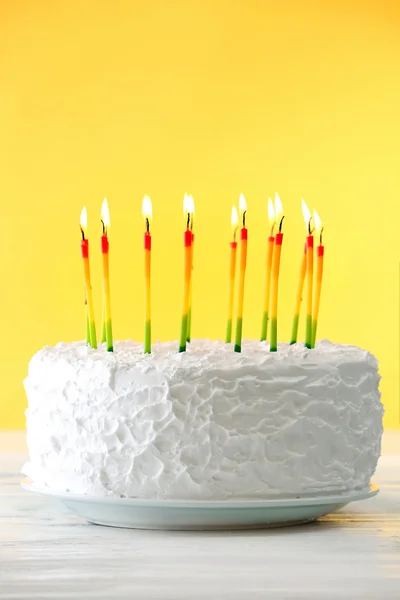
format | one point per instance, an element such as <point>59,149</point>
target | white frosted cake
<point>205,424</point>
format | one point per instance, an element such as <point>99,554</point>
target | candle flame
<point>318,226</point>
<point>188,210</point>
<point>147,211</point>
<point>307,216</point>
<point>105,216</point>
<point>83,222</point>
<point>279,216</point>
<point>242,204</point>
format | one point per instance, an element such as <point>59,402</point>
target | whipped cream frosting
<point>205,424</point>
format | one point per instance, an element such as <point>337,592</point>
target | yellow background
<point>216,97</point>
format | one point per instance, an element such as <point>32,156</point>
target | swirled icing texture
<point>205,424</point>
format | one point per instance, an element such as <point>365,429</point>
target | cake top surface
<point>202,355</point>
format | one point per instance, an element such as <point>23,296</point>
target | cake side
<point>205,424</point>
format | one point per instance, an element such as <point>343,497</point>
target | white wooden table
<point>48,553</point>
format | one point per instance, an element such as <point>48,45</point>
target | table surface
<point>46,552</point>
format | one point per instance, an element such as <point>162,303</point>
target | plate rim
<point>336,498</point>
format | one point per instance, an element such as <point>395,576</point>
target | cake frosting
<point>205,424</point>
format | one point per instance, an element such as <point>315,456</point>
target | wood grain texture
<point>48,553</point>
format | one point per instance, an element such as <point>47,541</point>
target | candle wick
<point>104,227</point>
<point>244,218</point>
<point>83,233</point>
<point>272,228</point>
<point>147,225</point>
<point>320,236</point>
<point>188,221</point>
<point>280,224</point>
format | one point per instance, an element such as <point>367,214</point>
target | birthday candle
<point>189,321</point>
<point>105,246</point>
<point>279,216</point>
<point>232,275</point>
<point>242,273</point>
<point>318,279</point>
<point>270,251</point>
<point>147,215</point>
<point>310,272</point>
<point>86,273</point>
<point>187,271</point>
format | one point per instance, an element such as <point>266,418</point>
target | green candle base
<point>295,329</point>
<point>273,346</point>
<point>308,342</point>
<point>264,327</point>
<point>109,337</point>
<point>147,338</point>
<point>182,341</point>
<point>238,335</point>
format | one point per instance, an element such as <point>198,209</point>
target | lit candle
<point>279,216</point>
<point>86,273</point>
<point>147,216</point>
<point>242,273</point>
<point>189,322</point>
<point>105,246</point>
<point>232,275</point>
<point>318,279</point>
<point>310,272</point>
<point>270,250</point>
<point>187,271</point>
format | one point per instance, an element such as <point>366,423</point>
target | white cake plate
<point>138,513</point>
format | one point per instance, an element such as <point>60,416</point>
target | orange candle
<point>242,273</point>
<point>279,216</point>
<point>232,275</point>
<point>107,323</point>
<point>86,273</point>
<point>310,272</point>
<point>318,276</point>
<point>187,270</point>
<point>147,212</point>
<point>270,251</point>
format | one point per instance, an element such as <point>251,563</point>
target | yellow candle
<point>86,273</point>
<point>232,275</point>
<point>270,251</point>
<point>107,322</point>
<point>187,271</point>
<point>147,212</point>
<point>242,273</point>
<point>310,272</point>
<point>318,276</point>
<point>279,216</point>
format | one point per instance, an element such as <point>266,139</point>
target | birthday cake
<point>208,423</point>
